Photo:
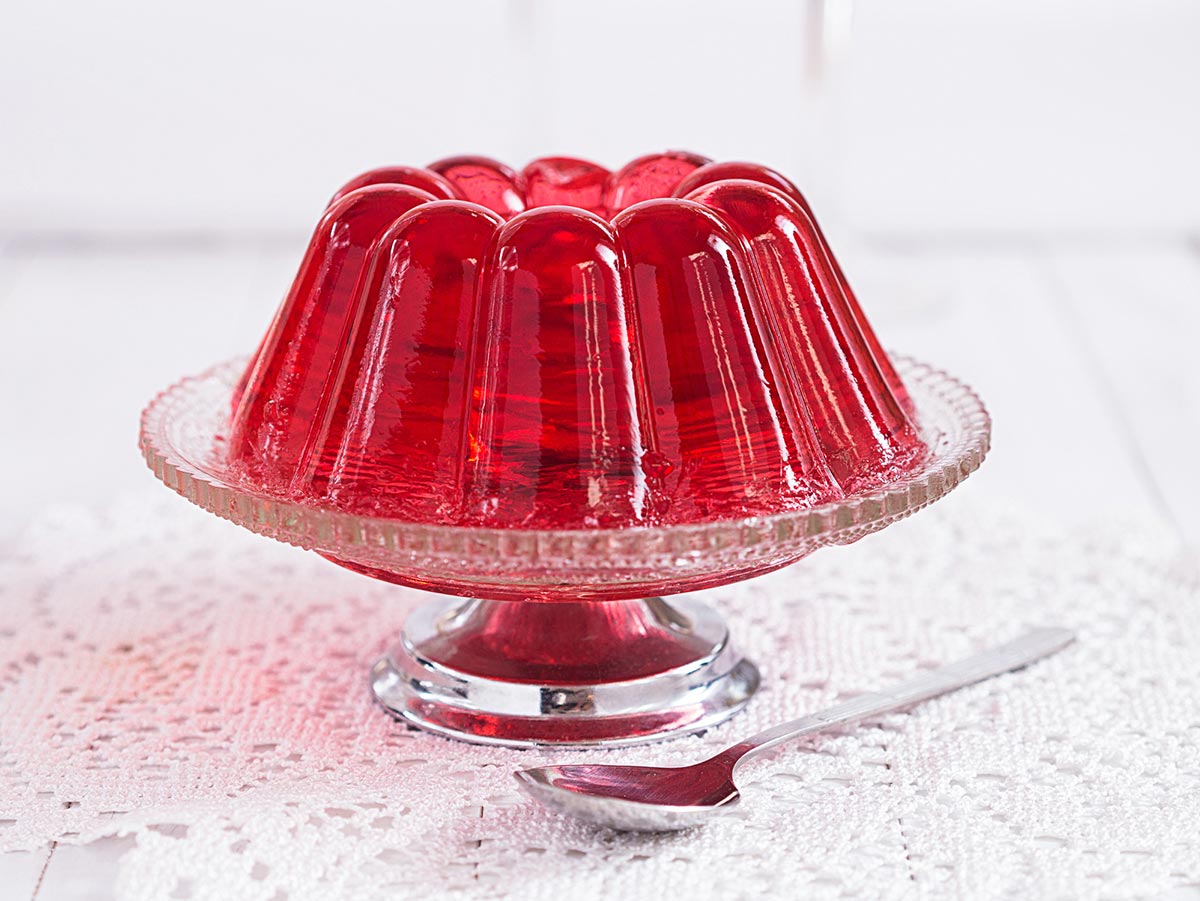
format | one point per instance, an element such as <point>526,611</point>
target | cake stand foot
<point>581,674</point>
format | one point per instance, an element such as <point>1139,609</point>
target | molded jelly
<point>566,347</point>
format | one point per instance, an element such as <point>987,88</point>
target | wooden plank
<point>1137,309</point>
<point>20,872</point>
<point>992,319</point>
<point>83,872</point>
<point>12,259</point>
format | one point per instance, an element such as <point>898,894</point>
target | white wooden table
<point>1083,348</point>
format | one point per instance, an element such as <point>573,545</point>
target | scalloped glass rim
<point>178,438</point>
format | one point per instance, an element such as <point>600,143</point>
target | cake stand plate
<point>589,653</point>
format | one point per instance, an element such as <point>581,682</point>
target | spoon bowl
<point>641,798</point>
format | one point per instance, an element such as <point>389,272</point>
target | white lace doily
<point>167,676</point>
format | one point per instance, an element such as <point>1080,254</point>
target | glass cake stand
<point>559,637</point>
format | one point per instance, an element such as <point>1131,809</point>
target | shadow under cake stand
<point>559,637</point>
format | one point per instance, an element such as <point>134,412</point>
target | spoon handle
<point>1023,651</point>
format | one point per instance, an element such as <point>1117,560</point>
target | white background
<point>1069,115</point>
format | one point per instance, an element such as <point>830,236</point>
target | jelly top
<point>568,347</point>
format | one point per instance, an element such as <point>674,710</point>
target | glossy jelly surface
<point>568,347</point>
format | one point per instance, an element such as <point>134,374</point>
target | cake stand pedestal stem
<point>564,673</point>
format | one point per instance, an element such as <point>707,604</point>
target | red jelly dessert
<point>568,347</point>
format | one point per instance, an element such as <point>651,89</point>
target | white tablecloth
<point>167,676</point>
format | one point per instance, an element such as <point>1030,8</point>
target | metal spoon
<point>663,799</point>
